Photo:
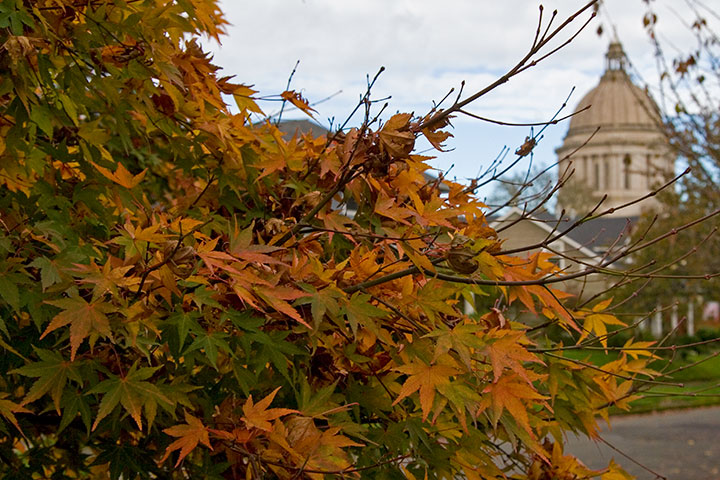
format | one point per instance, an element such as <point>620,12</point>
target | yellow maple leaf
<point>296,99</point>
<point>258,415</point>
<point>596,322</point>
<point>190,434</point>
<point>121,176</point>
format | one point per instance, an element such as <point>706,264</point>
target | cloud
<point>428,47</point>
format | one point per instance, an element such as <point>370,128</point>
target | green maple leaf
<point>321,302</point>
<point>210,343</point>
<point>49,273</point>
<point>133,393</point>
<point>9,291</point>
<point>360,312</point>
<point>84,318</point>
<point>203,296</point>
<point>52,373</point>
<point>462,338</point>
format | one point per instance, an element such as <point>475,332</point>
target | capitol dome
<point>614,144</point>
<point>615,103</point>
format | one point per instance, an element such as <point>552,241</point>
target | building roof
<point>615,103</point>
<point>301,127</point>
<point>598,234</point>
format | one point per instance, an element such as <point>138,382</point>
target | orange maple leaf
<point>276,296</point>
<point>396,137</point>
<point>508,352</point>
<point>508,394</point>
<point>258,415</point>
<point>190,434</point>
<point>425,378</point>
<point>296,99</point>
<point>83,318</point>
<point>436,138</point>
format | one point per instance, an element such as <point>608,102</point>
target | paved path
<point>680,445</point>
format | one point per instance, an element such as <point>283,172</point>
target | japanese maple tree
<point>185,294</point>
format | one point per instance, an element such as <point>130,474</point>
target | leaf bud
<point>180,260</point>
<point>461,258</point>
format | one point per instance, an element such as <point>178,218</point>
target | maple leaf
<point>396,137</point>
<point>257,253</point>
<point>189,435</point>
<point>615,472</point>
<point>275,297</point>
<point>244,100</point>
<point>132,392</point>
<point>322,302</point>
<point>321,450</point>
<point>507,351</point>
<point>507,394</point>
<point>84,318</point>
<point>121,176</point>
<point>52,373</point>
<point>296,99</point>
<point>360,312</point>
<point>527,147</point>
<point>106,280</point>
<point>436,138</point>
<point>258,415</point>
<point>49,272</point>
<point>387,206</point>
<point>425,378</point>
<point>9,408</point>
<point>417,258</point>
<point>638,349</point>
<point>597,322</point>
<point>462,338</point>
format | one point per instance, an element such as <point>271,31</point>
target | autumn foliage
<point>186,294</point>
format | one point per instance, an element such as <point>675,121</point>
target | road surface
<point>679,445</point>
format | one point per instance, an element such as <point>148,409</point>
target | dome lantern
<point>615,58</point>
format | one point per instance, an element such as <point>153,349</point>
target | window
<point>606,180</point>
<point>597,175</point>
<point>626,177</point>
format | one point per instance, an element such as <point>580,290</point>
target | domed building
<point>614,144</point>
<point>616,149</point>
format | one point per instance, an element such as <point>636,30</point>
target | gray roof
<point>301,127</point>
<point>597,234</point>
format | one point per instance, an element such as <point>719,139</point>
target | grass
<point>699,374</point>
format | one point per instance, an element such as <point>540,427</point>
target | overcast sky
<point>428,47</point>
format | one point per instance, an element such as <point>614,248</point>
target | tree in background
<point>523,189</point>
<point>182,294</point>
<point>688,94</point>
